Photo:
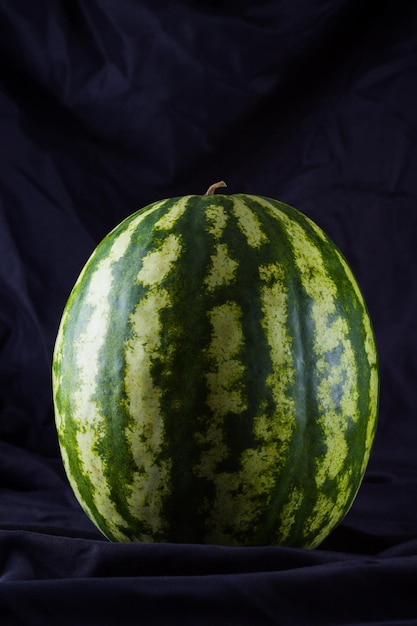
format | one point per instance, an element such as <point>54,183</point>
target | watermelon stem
<point>210,191</point>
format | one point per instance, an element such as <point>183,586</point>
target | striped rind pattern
<point>215,377</point>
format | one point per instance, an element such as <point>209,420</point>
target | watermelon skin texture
<point>215,377</point>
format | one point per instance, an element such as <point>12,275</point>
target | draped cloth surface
<point>106,107</point>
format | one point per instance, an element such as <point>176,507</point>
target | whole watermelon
<point>215,377</point>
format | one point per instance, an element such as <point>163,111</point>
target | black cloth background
<point>106,106</point>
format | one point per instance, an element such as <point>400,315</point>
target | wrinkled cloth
<point>106,107</point>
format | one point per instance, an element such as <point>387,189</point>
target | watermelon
<point>215,377</point>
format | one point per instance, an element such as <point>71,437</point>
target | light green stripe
<point>89,422</point>
<point>225,345</point>
<point>249,223</point>
<point>157,264</point>
<point>176,210</point>
<point>330,335</point>
<point>275,432</point>
<point>225,394</point>
<point>217,218</point>
<point>372,356</point>
<point>223,268</point>
<point>146,434</point>
<point>371,353</point>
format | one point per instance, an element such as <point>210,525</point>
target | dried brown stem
<point>210,191</point>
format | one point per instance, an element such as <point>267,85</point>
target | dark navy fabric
<point>107,106</point>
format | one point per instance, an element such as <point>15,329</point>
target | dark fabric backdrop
<point>106,106</point>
